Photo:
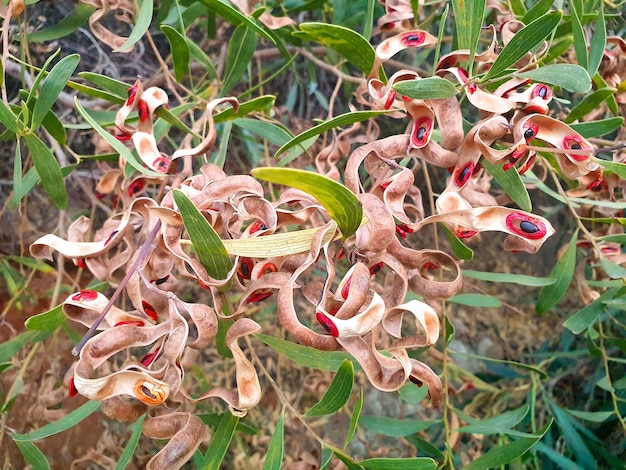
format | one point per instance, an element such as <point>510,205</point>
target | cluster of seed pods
<point>137,362</point>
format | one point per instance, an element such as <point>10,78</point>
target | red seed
<point>85,295</point>
<point>81,263</point>
<point>71,388</point>
<point>327,324</point>
<point>149,358</point>
<point>150,311</point>
<point>258,296</point>
<point>129,322</point>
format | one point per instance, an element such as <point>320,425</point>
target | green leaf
<point>235,17</point>
<point>525,40</point>
<point>8,118</point>
<point>338,392</point>
<point>503,454</point>
<point>9,348</point>
<point>327,456</point>
<point>563,272</point>
<point>519,365</point>
<point>33,455</point>
<point>499,424</point>
<point>179,50</point>
<point>68,421</point>
<point>574,440</point>
<point>408,463</point>
<point>354,419</point>
<point>412,394</point>
<point>476,300</point>
<point>46,321</point>
<point>220,441</point>
<point>520,279</point>
<point>341,120</point>
<point>598,128</point>
<point>48,169</point>
<point>589,103</point>
<point>305,355</point>
<point>593,416</point>
<point>244,425</point>
<point>142,23</point>
<point>580,43</point>
<point>571,77</point>
<point>450,330</point>
<point>618,168</point>
<point>539,9</point>
<point>426,88</point>
<point>347,43</point>
<point>219,158</point>
<point>206,242</point>
<point>55,128</point>
<point>581,320</point>
<point>118,146</point>
<point>131,445</point>
<point>274,455</point>
<point>347,460</point>
<point>72,22</point>
<point>614,270</point>
<point>459,248</point>
<point>598,43</point>
<point>511,182</point>
<point>341,203</point>
<point>52,86</point>
<point>259,104</point>
<point>240,51</point>
<point>273,133</point>
<point>395,427</point>
<point>468,18</point>
<point>111,85</point>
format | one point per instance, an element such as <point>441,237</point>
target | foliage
<point>334,264</point>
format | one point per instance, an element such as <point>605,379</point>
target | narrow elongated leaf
<point>511,182</point>
<point>426,88</point>
<point>52,86</point>
<point>597,128</point>
<point>476,300</point>
<point>327,456</point>
<point>131,445</point>
<point>274,133</point>
<point>180,51</point>
<point>507,453</point>
<point>618,168</point>
<point>55,127</point>
<point>539,9</point>
<point>245,425</point>
<point>118,146</point>
<point>68,421</point>
<point>220,441</point>
<point>580,43</point>
<point>240,51</point>
<point>142,23</point>
<point>468,18</point>
<point>354,419</point>
<point>460,249</point>
<point>342,204</point>
<point>341,120</point>
<point>206,242</point>
<point>614,270</point>
<point>260,104</point>
<point>48,169</point>
<point>75,19</point>
<point>412,394</point>
<point>274,455</point>
<point>348,43</point>
<point>46,321</point>
<point>589,103</point>
<point>518,365</point>
<point>581,320</point>
<point>225,9</point>
<point>113,86</point>
<point>571,77</point>
<point>8,118</point>
<point>574,440</point>
<point>598,42</point>
<point>525,40</point>
<point>338,392</point>
<point>499,424</point>
<point>593,416</point>
<point>559,459</point>
<point>305,355</point>
<point>33,455</point>
<point>409,463</point>
<point>395,427</point>
<point>520,279</point>
<point>563,272</point>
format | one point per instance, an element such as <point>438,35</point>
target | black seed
<point>421,133</point>
<point>529,134</point>
<point>464,174</point>
<point>162,280</point>
<point>543,92</point>
<point>576,146</point>
<point>528,227</point>
<point>245,270</point>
